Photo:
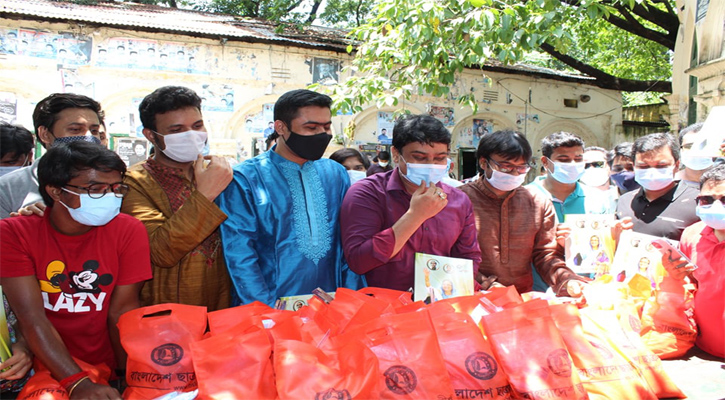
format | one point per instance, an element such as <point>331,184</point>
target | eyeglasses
<point>595,164</point>
<point>98,190</point>
<point>709,200</point>
<point>507,169</point>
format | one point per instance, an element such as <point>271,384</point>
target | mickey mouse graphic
<point>87,280</point>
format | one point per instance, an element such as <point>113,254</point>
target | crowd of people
<point>85,239</point>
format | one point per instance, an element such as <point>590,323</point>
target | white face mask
<point>567,172</point>
<point>383,163</point>
<point>184,146</point>
<point>654,178</point>
<point>356,175</point>
<point>595,177</point>
<point>505,182</point>
<point>7,170</point>
<point>94,212</point>
<point>696,163</point>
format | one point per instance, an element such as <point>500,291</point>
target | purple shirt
<point>370,209</point>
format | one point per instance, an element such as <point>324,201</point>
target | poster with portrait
<point>636,254</point>
<point>443,114</point>
<point>438,277</point>
<point>131,150</point>
<point>480,128</point>
<point>325,71</point>
<point>217,97</point>
<point>386,122</point>
<point>589,249</point>
<point>72,82</point>
<point>73,50</point>
<point>8,107</point>
<point>268,116</point>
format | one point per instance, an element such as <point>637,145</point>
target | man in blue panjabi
<point>282,236</point>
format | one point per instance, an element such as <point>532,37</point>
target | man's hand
<point>18,365</point>
<point>89,390</point>
<point>676,266</point>
<point>33,209</point>
<point>575,288</point>
<point>562,233</point>
<point>620,226</point>
<point>214,178</point>
<point>427,201</point>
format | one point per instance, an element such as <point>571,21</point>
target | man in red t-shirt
<point>704,243</point>
<point>71,273</point>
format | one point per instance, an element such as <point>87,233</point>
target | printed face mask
<point>94,212</point>
<point>308,147</point>
<point>69,139</point>
<point>712,215</point>
<point>567,172</point>
<point>654,178</point>
<point>184,146</point>
<point>419,173</point>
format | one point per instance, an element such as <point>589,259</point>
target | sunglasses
<point>595,164</point>
<point>709,200</point>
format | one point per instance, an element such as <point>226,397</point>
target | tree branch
<point>641,31</point>
<point>606,80</point>
<point>313,12</point>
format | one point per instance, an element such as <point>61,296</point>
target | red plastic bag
<point>470,363</point>
<point>410,361</point>
<point>531,351</point>
<point>307,372</point>
<point>158,342</point>
<point>42,385</point>
<point>222,320</point>
<point>395,298</point>
<point>623,335</point>
<point>604,373</point>
<point>668,324</point>
<point>234,365</point>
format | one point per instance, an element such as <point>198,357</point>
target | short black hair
<point>287,106</point>
<point>46,111</point>
<point>621,150</point>
<point>343,154</point>
<point>559,139</point>
<point>694,128</point>
<point>384,155</point>
<point>656,141</point>
<point>419,129</point>
<point>507,143</point>
<point>15,139</point>
<point>716,173</point>
<point>165,99</point>
<point>64,161</point>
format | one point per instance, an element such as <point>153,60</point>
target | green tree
<point>419,46</point>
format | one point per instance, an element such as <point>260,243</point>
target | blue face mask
<point>712,215</point>
<point>654,178</point>
<point>625,181</point>
<point>567,172</point>
<point>94,212</point>
<point>84,138</point>
<point>419,173</point>
<point>356,175</point>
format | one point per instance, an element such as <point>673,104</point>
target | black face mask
<point>308,147</point>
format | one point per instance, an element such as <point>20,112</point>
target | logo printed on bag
<point>167,354</point>
<point>333,394</point>
<point>298,304</point>
<point>400,379</point>
<point>481,366</point>
<point>559,363</point>
<point>603,351</point>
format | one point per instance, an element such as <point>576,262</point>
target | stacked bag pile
<point>379,344</point>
